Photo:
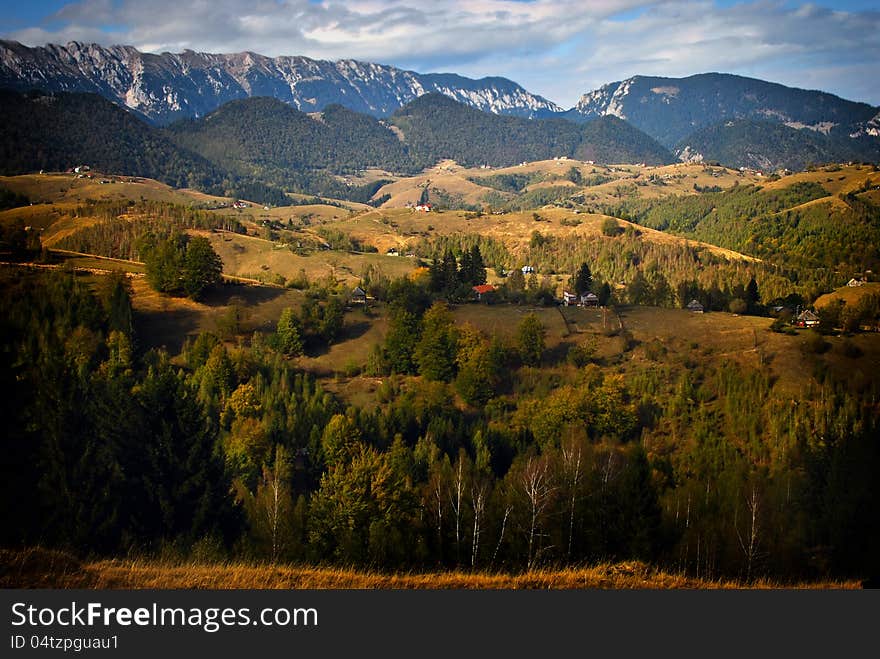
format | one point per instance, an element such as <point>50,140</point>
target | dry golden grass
<point>409,190</point>
<point>673,179</point>
<point>247,256</point>
<point>360,333</point>
<point>79,260</point>
<point>40,568</point>
<point>55,188</point>
<point>835,179</point>
<point>503,319</point>
<point>399,227</point>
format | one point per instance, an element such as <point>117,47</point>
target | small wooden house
<point>806,318</point>
<point>358,296</point>
<point>589,300</point>
<point>568,298</point>
<point>694,306</point>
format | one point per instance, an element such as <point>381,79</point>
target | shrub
<point>850,349</point>
<point>814,343</point>
<point>610,227</point>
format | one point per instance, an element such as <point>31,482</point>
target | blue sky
<point>557,48</point>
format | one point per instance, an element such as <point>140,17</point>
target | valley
<point>444,334</point>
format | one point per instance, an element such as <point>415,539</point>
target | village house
<point>568,298</point>
<point>483,291</point>
<point>694,306</point>
<point>589,300</point>
<point>358,296</point>
<point>853,283</point>
<point>806,318</point>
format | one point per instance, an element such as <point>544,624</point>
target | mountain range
<point>264,141</point>
<point>370,114</point>
<point>670,109</point>
<point>169,86</point>
<point>742,122</point>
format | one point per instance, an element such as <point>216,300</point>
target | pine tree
<point>450,273</point>
<point>477,275</point>
<point>753,297</point>
<point>583,280</point>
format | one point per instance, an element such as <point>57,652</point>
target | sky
<point>558,49</point>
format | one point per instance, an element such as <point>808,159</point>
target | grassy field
<point>55,196</point>
<point>836,179</point>
<point>257,258</point>
<point>403,227</point>
<point>39,568</point>
<point>165,321</point>
<point>60,189</point>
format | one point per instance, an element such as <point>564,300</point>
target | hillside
<point>267,139</point>
<point>435,127</point>
<point>825,220</point>
<point>267,134</point>
<point>57,132</point>
<point>652,429</point>
<point>60,131</point>
<point>613,140</point>
<point>770,146</point>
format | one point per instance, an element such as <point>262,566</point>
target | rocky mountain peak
<point>169,86</point>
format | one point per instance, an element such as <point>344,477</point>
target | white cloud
<point>557,48</point>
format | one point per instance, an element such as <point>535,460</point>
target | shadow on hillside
<point>221,296</point>
<point>354,330</point>
<point>557,354</point>
<point>168,329</point>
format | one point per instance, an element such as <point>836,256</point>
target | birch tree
<point>536,483</point>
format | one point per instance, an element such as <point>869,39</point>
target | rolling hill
<point>267,139</point>
<point>59,131</point>
<point>770,146</point>
<point>435,127</point>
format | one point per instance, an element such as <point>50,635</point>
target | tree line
<point>111,450</point>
